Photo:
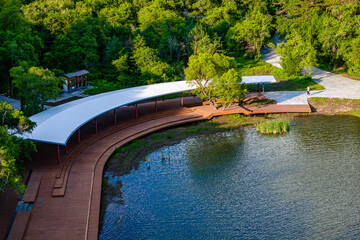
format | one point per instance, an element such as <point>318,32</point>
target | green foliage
<point>124,13</point>
<point>319,99</point>
<point>14,120</point>
<point>35,86</point>
<point>205,70</point>
<point>228,88</point>
<point>102,86</point>
<point>19,44</point>
<point>254,31</point>
<point>249,67</point>
<point>296,55</point>
<point>152,68</point>
<point>59,15</point>
<point>273,126</point>
<point>103,36</point>
<point>235,116</point>
<point>13,150</point>
<point>156,14</point>
<point>330,27</point>
<point>355,113</point>
<point>197,129</point>
<point>155,137</point>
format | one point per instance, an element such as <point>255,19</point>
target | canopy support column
<point>258,87</point>
<point>78,133</point>
<point>114,117</point>
<point>58,154</point>
<point>156,105</point>
<point>96,130</point>
<point>182,99</point>
<point>163,98</point>
<point>136,111</point>
<point>263,89</point>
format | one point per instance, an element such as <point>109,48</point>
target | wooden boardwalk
<point>67,203</point>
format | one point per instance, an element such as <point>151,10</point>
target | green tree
<point>117,16</point>
<point>13,149</point>
<point>18,43</point>
<point>152,68</point>
<point>35,86</point>
<point>201,41</point>
<point>57,16</point>
<point>254,31</point>
<point>157,15</point>
<point>205,70</point>
<point>296,55</point>
<point>228,88</point>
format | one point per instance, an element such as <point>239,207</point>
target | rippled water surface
<point>243,185</point>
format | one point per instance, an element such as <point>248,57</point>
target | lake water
<point>240,184</point>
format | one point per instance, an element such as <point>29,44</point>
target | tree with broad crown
<point>35,86</point>
<point>296,55</point>
<point>214,76</point>
<point>254,31</point>
<point>228,88</point>
<point>13,149</point>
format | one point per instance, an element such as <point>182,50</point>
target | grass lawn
<point>249,67</point>
<point>335,105</point>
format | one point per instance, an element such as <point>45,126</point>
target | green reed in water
<point>273,126</point>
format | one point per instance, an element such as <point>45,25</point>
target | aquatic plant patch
<point>274,126</point>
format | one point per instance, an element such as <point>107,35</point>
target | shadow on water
<point>209,156</point>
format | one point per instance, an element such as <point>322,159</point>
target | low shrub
<point>235,116</point>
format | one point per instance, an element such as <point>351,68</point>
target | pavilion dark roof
<point>76,74</point>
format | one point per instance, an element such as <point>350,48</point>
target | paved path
<point>13,102</point>
<point>288,97</point>
<point>269,55</point>
<point>336,86</point>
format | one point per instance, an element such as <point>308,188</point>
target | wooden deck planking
<point>75,215</point>
<point>33,187</point>
<point>19,226</point>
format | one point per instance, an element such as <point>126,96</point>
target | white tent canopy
<point>57,124</point>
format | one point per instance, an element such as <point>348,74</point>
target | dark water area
<point>240,184</point>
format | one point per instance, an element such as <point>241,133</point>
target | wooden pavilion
<point>76,79</point>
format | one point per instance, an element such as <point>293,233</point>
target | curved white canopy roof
<point>57,124</point>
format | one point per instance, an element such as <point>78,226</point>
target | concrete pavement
<point>336,86</point>
<point>288,97</point>
<point>13,102</point>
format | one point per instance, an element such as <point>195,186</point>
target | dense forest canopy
<point>126,43</point>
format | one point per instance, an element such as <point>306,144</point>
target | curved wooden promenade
<point>67,196</point>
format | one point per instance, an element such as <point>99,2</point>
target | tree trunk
<point>213,104</point>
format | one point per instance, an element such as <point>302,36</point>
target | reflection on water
<point>243,185</point>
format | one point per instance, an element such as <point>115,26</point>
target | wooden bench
<point>32,188</point>
<point>19,226</point>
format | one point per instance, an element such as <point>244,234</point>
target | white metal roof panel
<point>76,74</point>
<point>258,79</point>
<point>57,124</point>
